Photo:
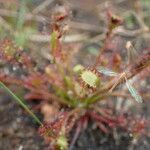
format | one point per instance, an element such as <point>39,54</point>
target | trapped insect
<point>131,89</point>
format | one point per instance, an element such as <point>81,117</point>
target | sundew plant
<point>75,95</point>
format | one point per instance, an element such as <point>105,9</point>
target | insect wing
<point>107,72</point>
<point>134,92</point>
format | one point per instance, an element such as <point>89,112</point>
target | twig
<point>97,38</point>
<point>67,39</point>
<point>129,33</point>
<point>85,26</point>
<point>140,20</point>
<point>28,16</point>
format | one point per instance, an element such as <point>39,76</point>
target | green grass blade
<point>107,71</point>
<point>21,103</point>
<point>133,92</point>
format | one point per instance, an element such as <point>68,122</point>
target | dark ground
<point>19,132</point>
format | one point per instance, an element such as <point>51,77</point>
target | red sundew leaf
<point>10,53</point>
<point>35,96</point>
<point>52,129</point>
<point>100,118</point>
<point>60,13</point>
<point>139,126</point>
<point>114,19</point>
<point>56,46</point>
<point>9,79</point>
<point>76,134</point>
<point>35,80</point>
<point>122,121</point>
<point>117,60</point>
<point>8,50</point>
<point>25,60</point>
